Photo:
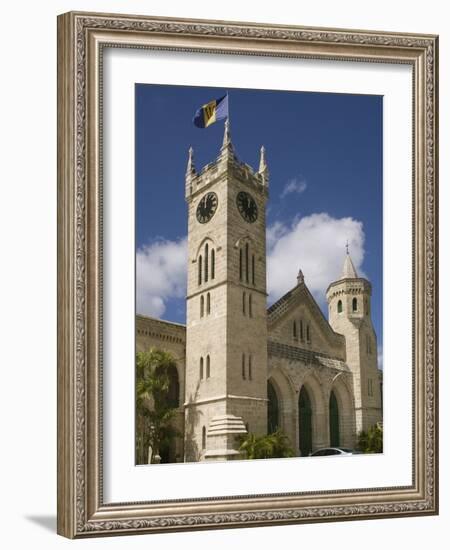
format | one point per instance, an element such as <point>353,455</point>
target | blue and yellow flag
<point>213,111</point>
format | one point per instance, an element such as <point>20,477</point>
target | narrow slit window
<point>250,305</point>
<point>308,335</point>
<point>206,262</point>
<point>202,306</point>
<point>301,330</point>
<point>244,299</point>
<point>339,306</point>
<point>201,368</point>
<point>294,329</point>
<point>200,269</point>
<point>208,304</point>
<point>250,367</point>
<point>208,366</point>
<point>253,269</point>
<point>246,262</point>
<point>240,264</point>
<point>355,304</point>
<point>243,366</point>
<point>213,263</point>
<point>203,438</point>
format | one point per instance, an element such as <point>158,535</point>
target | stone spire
<point>190,173</point>
<point>300,277</point>
<point>227,136</point>
<point>227,150</point>
<point>348,271</point>
<point>263,169</point>
<point>190,169</point>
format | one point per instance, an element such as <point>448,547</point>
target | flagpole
<point>228,101</point>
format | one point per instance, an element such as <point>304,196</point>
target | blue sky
<point>324,153</point>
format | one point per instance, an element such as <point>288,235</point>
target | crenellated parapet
<point>226,165</point>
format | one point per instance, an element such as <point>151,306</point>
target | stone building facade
<point>242,367</point>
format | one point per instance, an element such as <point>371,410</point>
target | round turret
<point>349,297</point>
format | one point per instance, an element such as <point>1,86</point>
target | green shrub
<point>372,440</point>
<point>274,445</point>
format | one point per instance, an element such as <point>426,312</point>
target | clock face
<point>207,207</point>
<point>247,207</point>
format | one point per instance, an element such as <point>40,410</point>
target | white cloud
<point>160,275</point>
<point>274,233</point>
<point>294,185</point>
<point>380,357</point>
<point>316,245</point>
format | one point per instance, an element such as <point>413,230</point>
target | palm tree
<point>372,440</point>
<point>154,411</point>
<point>274,445</point>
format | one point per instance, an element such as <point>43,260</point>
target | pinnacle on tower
<point>262,160</point>
<point>226,134</point>
<point>227,150</point>
<point>263,169</point>
<point>300,277</point>
<point>190,173</point>
<point>190,169</point>
<point>348,270</point>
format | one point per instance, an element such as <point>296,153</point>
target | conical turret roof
<point>348,271</point>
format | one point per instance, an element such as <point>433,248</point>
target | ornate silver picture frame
<point>82,41</point>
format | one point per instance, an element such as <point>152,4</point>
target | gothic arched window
<point>250,367</point>
<point>206,262</point>
<point>202,306</point>
<point>250,305</point>
<point>240,264</point>
<point>339,306</point>
<point>208,304</point>
<point>294,329</point>
<point>173,394</point>
<point>334,421</point>
<point>308,334</point>
<point>301,329</point>
<point>200,269</point>
<point>253,269</point>
<point>213,263</point>
<point>355,304</point>
<point>208,366</point>
<point>201,368</point>
<point>246,262</point>
<point>243,366</point>
<point>273,421</point>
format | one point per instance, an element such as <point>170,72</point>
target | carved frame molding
<point>81,38</point>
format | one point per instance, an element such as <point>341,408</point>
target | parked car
<point>334,451</point>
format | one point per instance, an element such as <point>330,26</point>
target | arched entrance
<point>273,411</point>
<point>304,423</point>
<point>334,421</point>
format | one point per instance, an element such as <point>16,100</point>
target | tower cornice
<point>348,286</point>
<point>213,172</point>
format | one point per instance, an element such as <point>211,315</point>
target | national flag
<point>213,111</point>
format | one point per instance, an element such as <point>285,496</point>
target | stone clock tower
<point>226,331</point>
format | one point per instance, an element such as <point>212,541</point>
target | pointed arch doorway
<point>304,423</point>
<point>335,439</point>
<point>273,415</point>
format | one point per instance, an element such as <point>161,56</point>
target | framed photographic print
<point>247,284</point>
